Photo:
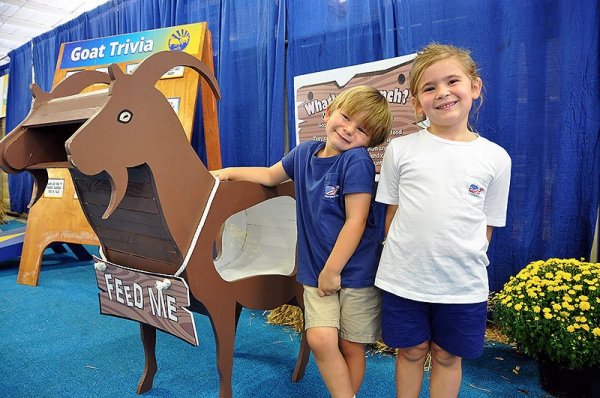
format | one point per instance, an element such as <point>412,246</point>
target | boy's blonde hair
<point>367,100</point>
<point>433,53</point>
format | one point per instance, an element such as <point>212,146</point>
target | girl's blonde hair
<point>369,101</point>
<point>433,53</point>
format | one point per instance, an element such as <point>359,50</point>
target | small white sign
<point>72,72</point>
<point>176,71</point>
<point>55,188</point>
<point>103,69</point>
<point>174,104</point>
<point>130,68</point>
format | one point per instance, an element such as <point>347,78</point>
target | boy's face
<point>345,132</point>
<point>446,94</point>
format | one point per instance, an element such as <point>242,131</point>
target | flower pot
<point>563,382</point>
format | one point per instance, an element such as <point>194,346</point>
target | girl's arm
<point>268,176</point>
<point>489,231</point>
<point>357,211</point>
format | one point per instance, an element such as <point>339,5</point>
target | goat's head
<point>134,126</point>
<point>38,142</point>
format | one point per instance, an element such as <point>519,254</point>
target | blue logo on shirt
<point>331,191</point>
<point>476,190</point>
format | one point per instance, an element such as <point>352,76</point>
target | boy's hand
<point>221,174</point>
<point>329,282</point>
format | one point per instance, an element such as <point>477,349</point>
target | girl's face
<point>344,132</point>
<point>445,94</point>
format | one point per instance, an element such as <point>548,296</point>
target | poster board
<point>315,91</point>
<point>3,94</point>
<point>57,216</point>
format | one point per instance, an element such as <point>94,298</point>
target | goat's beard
<point>118,182</point>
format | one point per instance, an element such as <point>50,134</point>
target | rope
<point>166,283</point>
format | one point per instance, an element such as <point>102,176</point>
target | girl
<point>446,187</point>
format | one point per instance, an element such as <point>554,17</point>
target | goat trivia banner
<point>146,297</point>
<point>315,91</point>
<point>132,46</point>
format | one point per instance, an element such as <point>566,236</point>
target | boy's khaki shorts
<point>356,313</point>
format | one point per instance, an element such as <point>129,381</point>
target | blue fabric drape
<point>538,60</point>
<point>251,77</point>
<point>19,103</point>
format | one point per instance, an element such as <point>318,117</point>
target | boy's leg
<point>360,324</point>
<point>446,373</point>
<point>323,342</point>
<point>322,320</point>
<point>409,370</point>
<point>458,331</point>
<point>354,355</point>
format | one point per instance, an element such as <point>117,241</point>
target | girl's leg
<point>409,370</point>
<point>354,355</point>
<point>446,373</point>
<point>323,342</point>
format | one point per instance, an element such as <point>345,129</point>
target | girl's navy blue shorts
<point>456,328</point>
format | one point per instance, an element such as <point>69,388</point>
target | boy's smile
<point>344,132</point>
<point>446,95</point>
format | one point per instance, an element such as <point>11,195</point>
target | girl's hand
<point>330,282</point>
<point>221,174</point>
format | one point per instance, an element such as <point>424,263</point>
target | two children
<point>446,187</point>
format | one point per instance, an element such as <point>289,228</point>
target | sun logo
<point>179,40</point>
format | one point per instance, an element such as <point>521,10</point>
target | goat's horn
<point>38,93</point>
<point>40,180</point>
<point>75,83</point>
<point>118,183</point>
<point>115,71</point>
<point>153,67</point>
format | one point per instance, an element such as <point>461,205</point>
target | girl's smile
<point>445,94</point>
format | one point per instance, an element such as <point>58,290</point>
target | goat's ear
<point>115,71</point>
<point>38,93</point>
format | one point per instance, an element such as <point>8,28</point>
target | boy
<point>337,250</point>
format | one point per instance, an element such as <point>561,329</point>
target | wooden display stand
<point>59,218</point>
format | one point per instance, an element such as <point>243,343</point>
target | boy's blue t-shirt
<point>321,184</point>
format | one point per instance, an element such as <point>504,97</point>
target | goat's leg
<point>224,324</point>
<point>304,352</point>
<point>148,335</point>
<point>302,359</point>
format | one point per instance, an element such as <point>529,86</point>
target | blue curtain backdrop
<point>18,104</point>
<point>538,60</point>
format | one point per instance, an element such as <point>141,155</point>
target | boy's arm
<point>268,176</point>
<point>357,211</point>
<point>489,231</point>
<point>389,216</point>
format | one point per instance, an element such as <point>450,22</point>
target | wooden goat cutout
<point>144,191</point>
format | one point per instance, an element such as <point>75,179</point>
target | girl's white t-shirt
<point>447,193</point>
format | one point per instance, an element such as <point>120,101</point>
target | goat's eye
<point>125,116</point>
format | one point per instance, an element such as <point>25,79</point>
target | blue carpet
<point>54,343</point>
<point>8,225</point>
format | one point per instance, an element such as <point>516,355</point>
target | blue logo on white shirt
<point>476,190</point>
